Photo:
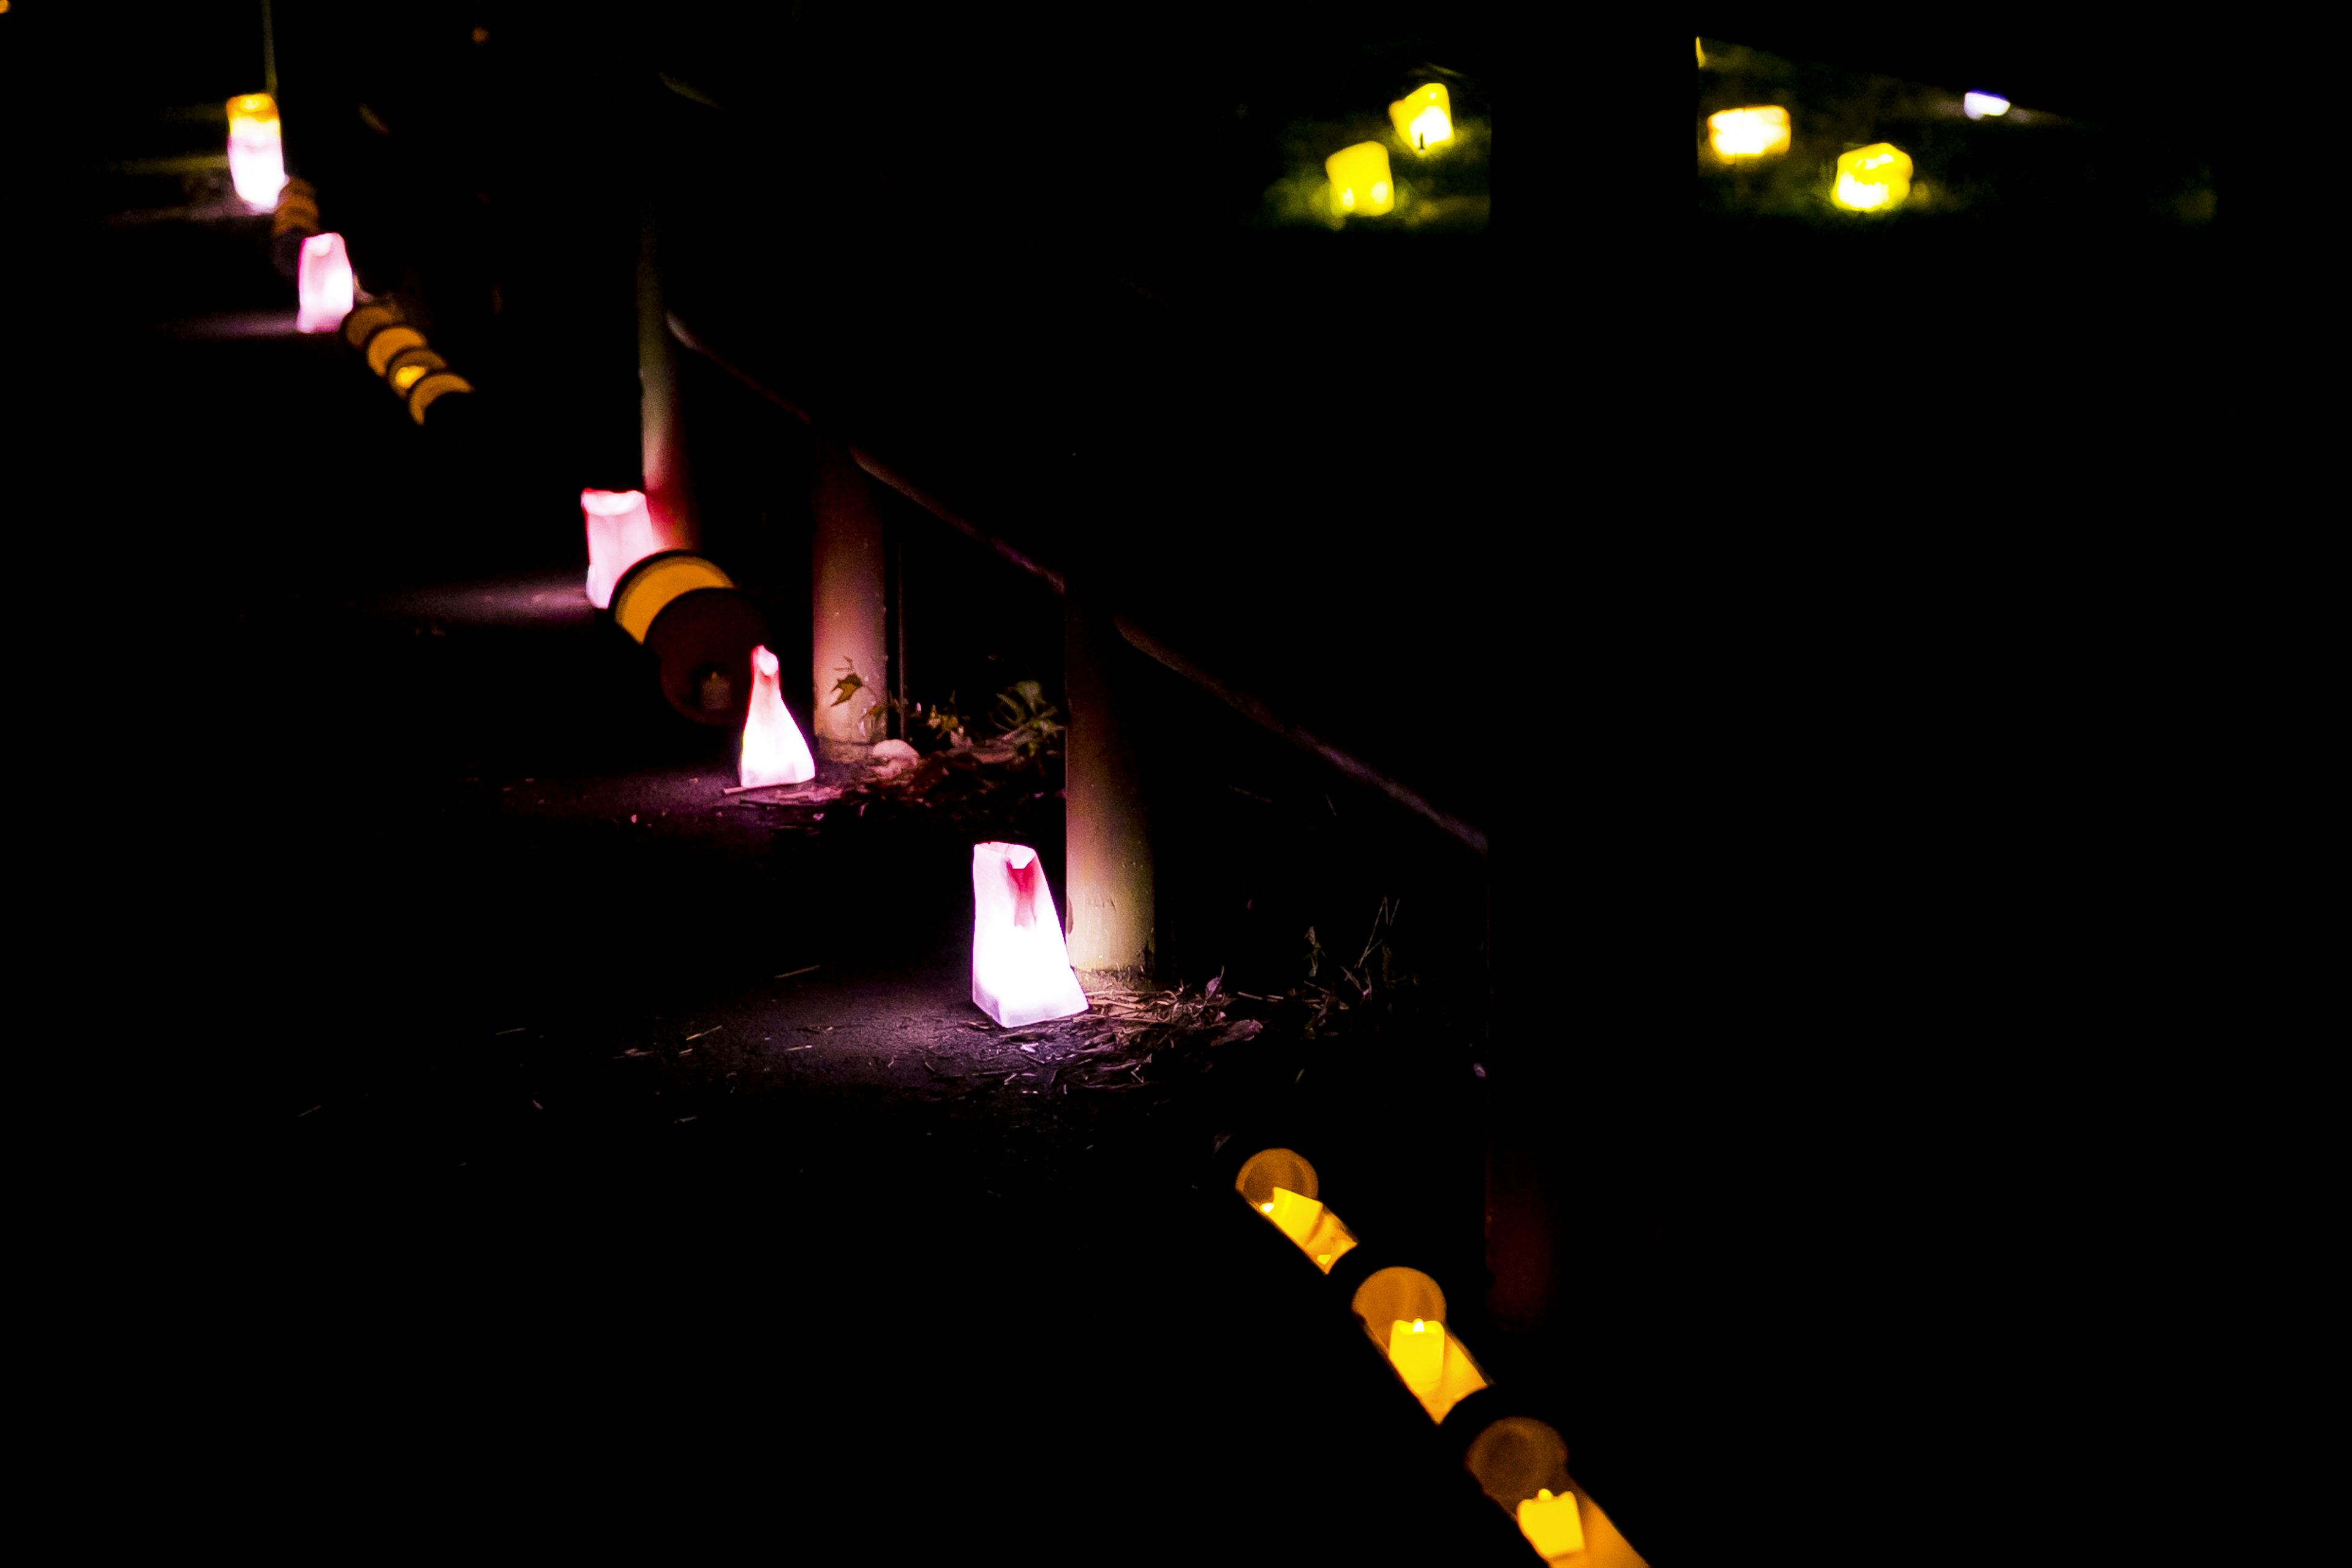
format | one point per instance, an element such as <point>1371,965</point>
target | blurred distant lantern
<point>1874,178</point>
<point>324,285</point>
<point>1020,965</point>
<point>1423,117</point>
<point>1360,180</point>
<point>1758,132</point>
<point>1281,1185</point>
<point>774,751</point>
<point>1978,105</point>
<point>257,156</point>
<point>620,533</point>
<point>700,629</point>
<point>1404,1312</point>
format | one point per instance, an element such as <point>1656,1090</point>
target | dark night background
<point>1836,819</point>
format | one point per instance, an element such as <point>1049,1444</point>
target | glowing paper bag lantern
<point>1293,1214</point>
<point>1020,965</point>
<point>1759,132</point>
<point>620,533</point>
<point>1874,178</point>
<point>324,283</point>
<point>1316,1230</point>
<point>1552,1524</point>
<point>1417,1351</point>
<point>1360,180</point>
<point>256,152</point>
<point>1423,117</point>
<point>774,751</point>
<point>1438,1369</point>
<point>1978,105</point>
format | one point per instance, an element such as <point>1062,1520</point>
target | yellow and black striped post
<point>699,627</point>
<point>296,220</point>
<point>395,350</point>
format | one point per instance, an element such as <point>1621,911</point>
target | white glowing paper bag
<point>324,283</point>
<point>257,150</point>
<point>1020,966</point>
<point>620,533</point>
<point>774,751</point>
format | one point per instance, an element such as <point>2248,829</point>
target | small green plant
<point>1369,990</point>
<point>1027,722</point>
<point>1030,721</point>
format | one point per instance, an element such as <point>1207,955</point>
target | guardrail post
<point>669,498</point>
<point>847,600</point>
<point>1107,836</point>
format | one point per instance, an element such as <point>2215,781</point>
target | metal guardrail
<point>1256,709</point>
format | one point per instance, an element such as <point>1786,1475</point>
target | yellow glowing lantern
<point>1360,180</point>
<point>1293,1214</point>
<point>1020,964</point>
<point>774,751</point>
<point>1417,1351</point>
<point>1281,1186</point>
<point>1874,178</point>
<point>1758,132</point>
<point>1423,117</point>
<point>257,156</point>
<point>1552,1524</point>
<point>1395,1295</point>
<point>1522,1464</point>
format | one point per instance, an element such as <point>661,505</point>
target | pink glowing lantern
<point>774,751</point>
<point>256,150</point>
<point>1020,966</point>
<point>324,284</point>
<point>621,532</point>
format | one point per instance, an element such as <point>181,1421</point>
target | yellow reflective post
<point>1423,117</point>
<point>1758,133</point>
<point>1360,180</point>
<point>1873,179</point>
